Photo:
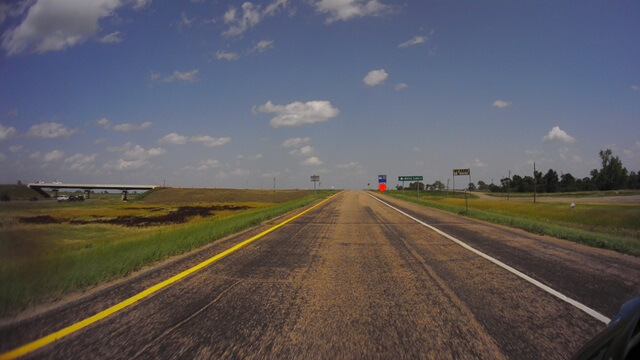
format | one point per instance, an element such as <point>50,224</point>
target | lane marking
<point>48,339</point>
<point>533,281</point>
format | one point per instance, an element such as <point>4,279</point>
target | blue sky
<point>231,93</point>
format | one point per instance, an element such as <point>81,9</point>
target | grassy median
<point>608,226</point>
<point>71,252</point>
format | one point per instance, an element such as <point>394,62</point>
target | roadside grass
<point>576,194</point>
<point>614,227</point>
<point>58,259</point>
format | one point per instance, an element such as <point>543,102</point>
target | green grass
<point>52,267</point>
<point>614,227</point>
<point>576,194</point>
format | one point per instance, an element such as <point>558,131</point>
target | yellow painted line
<point>37,344</point>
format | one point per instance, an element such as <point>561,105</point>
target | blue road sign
<point>382,178</point>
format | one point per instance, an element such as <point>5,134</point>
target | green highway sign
<point>410,178</point>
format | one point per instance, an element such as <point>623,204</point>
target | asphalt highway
<point>352,278</point>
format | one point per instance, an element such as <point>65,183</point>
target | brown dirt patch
<point>179,216</point>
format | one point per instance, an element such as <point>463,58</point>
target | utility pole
<point>447,194</point>
<point>534,183</point>
<point>274,184</point>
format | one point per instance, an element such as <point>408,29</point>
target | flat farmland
<point>49,249</point>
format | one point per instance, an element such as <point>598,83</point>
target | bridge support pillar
<point>124,195</point>
<point>54,193</point>
<point>87,193</point>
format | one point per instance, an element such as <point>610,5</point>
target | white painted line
<point>535,282</point>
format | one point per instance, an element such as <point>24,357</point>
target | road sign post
<point>315,179</point>
<point>459,172</point>
<point>411,178</point>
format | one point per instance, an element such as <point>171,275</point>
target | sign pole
<point>454,184</point>
<point>418,189</point>
<point>403,188</point>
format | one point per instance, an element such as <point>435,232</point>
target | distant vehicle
<point>72,198</point>
<point>57,182</point>
<point>62,198</point>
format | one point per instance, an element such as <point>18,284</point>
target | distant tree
<point>438,185</point>
<point>472,186</point>
<point>398,187</point>
<point>482,186</point>
<point>567,183</point>
<point>527,184</point>
<point>414,186</point>
<point>550,181</point>
<point>517,183</point>
<point>612,175</point>
<point>633,180</point>
<point>505,183</point>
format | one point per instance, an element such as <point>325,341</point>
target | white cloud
<point>133,157</point>
<point>204,165</point>
<point>50,130</point>
<point>81,161</point>
<point>477,163</point>
<point>36,155</point>
<point>139,4</point>
<point>635,87</point>
<point>298,113</point>
<point>401,86</point>
<point>7,132</point>
<point>99,141</point>
<point>353,165</point>
<point>415,41</point>
<point>303,151</point>
<point>187,76</point>
<point>501,104</point>
<point>250,17</point>
<point>15,148</point>
<point>173,138</point>
<point>262,46</point>
<point>185,21</point>
<point>250,157</point>
<point>240,172</point>
<point>348,9</point>
<point>229,56</point>
<point>210,141</point>
<point>293,142</point>
<point>557,134</point>
<point>375,77</point>
<point>53,156</point>
<point>104,122</point>
<point>132,127</point>
<point>53,25</point>
<point>113,38</point>
<point>312,161</point>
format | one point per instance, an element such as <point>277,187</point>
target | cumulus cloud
<point>133,157</point>
<point>298,113</point>
<point>303,151</point>
<point>375,77</point>
<point>501,104</point>
<point>249,16</point>
<point>312,161</point>
<point>185,21</point>
<point>53,156</point>
<point>558,135</point>
<point>206,140</point>
<point>210,141</point>
<point>81,161</point>
<point>186,76</point>
<point>400,86</point>
<point>113,38</point>
<point>296,141</point>
<point>415,41</point>
<point>173,138</point>
<point>250,157</point>
<point>477,163</point>
<point>132,127</point>
<point>6,132</point>
<point>53,25</point>
<point>50,130</point>
<point>204,165</point>
<point>262,46</point>
<point>347,9</point>
<point>104,122</point>
<point>229,56</point>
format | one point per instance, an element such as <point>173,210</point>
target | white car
<point>62,198</point>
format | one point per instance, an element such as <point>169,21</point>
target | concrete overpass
<point>55,187</point>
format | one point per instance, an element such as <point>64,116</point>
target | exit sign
<point>410,178</point>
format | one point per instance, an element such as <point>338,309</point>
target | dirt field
<point>172,196</point>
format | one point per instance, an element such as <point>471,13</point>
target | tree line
<point>611,176</point>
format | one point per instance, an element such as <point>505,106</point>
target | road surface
<point>352,278</point>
